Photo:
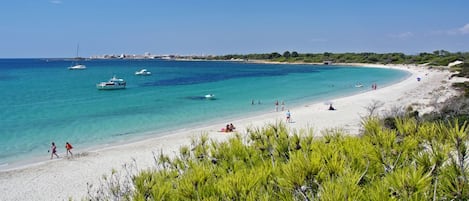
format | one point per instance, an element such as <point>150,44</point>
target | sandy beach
<point>61,179</point>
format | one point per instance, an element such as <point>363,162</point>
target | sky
<point>54,28</point>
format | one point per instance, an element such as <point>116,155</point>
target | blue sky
<point>53,28</point>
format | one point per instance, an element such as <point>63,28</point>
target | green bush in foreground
<point>415,161</point>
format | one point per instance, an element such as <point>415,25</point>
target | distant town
<point>148,55</point>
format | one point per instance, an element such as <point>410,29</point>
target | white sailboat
<point>77,66</point>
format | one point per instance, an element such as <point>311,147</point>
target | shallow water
<point>42,101</point>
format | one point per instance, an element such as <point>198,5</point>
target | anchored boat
<point>113,83</point>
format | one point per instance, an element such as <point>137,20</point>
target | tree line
<point>436,58</point>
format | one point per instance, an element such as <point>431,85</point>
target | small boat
<point>113,83</point>
<point>143,72</point>
<point>77,67</point>
<point>210,96</point>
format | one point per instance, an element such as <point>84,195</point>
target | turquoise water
<point>41,101</point>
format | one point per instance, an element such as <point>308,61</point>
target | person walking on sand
<point>288,116</point>
<point>283,105</point>
<point>69,148</point>
<point>53,150</point>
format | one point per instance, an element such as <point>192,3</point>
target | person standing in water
<point>69,148</point>
<point>53,150</point>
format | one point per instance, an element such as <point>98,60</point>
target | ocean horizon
<point>43,101</point>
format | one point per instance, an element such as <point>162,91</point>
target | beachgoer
<point>232,127</point>
<point>53,150</point>
<point>252,102</point>
<point>227,129</point>
<point>330,107</point>
<point>283,105</point>
<point>69,148</point>
<point>288,116</point>
<point>276,105</point>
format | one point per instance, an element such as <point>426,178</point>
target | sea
<point>41,101</point>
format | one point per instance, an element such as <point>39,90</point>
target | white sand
<point>62,179</point>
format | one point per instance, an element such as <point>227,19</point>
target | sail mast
<point>78,47</point>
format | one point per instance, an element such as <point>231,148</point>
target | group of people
<point>253,102</point>
<point>276,105</point>
<point>374,86</point>
<point>229,128</point>
<point>53,150</point>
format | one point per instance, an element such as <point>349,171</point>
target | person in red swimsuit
<point>69,148</point>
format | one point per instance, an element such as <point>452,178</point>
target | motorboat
<point>77,67</point>
<point>113,83</point>
<point>143,72</point>
<point>359,85</point>
<point>210,96</point>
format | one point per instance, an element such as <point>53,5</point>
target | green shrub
<point>412,161</point>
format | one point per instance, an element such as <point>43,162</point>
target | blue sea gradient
<point>42,101</point>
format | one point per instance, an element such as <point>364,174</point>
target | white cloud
<point>403,35</point>
<point>458,31</point>
<point>464,29</point>
<point>56,1</point>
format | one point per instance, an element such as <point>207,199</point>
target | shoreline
<point>66,178</point>
<point>126,137</point>
<point>40,160</point>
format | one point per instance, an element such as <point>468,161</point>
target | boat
<point>143,72</point>
<point>113,83</point>
<point>77,66</point>
<point>358,85</point>
<point>210,96</point>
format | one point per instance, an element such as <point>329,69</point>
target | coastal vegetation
<point>436,58</point>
